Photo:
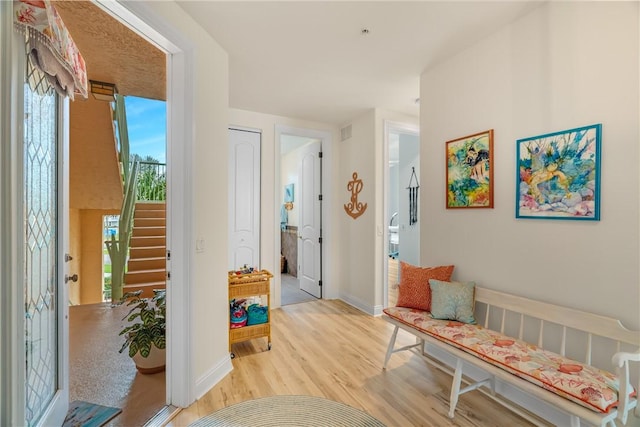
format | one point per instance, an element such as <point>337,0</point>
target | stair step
<point>147,288</point>
<point>151,206</point>
<point>147,241</point>
<point>147,252</point>
<point>149,222</point>
<point>145,276</point>
<point>149,213</point>
<point>149,231</point>
<point>153,263</point>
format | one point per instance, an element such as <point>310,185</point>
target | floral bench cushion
<point>583,384</point>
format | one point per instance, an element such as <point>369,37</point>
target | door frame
<point>389,126</point>
<point>142,19</point>
<point>12,401</point>
<point>325,137</point>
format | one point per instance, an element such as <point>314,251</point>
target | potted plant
<point>146,338</point>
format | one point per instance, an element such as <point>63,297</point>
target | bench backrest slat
<point>521,331</point>
<point>486,316</point>
<point>568,317</point>
<point>589,351</point>
<point>541,334</point>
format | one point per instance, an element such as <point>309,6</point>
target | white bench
<point>568,330</point>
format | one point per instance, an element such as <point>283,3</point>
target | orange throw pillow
<point>414,290</point>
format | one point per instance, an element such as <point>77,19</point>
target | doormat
<point>85,414</point>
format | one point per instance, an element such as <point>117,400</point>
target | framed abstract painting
<point>470,171</point>
<point>558,175</point>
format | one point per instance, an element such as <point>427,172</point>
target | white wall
<point>562,66</point>
<point>362,249</point>
<point>210,123</point>
<point>358,236</point>
<point>269,223</point>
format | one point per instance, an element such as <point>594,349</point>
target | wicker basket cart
<point>256,283</point>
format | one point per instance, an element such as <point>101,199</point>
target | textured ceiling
<point>113,53</point>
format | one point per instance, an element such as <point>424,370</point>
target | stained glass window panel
<point>40,274</point>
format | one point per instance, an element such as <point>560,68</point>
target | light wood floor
<point>329,349</point>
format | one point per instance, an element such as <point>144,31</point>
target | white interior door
<point>45,223</point>
<point>309,225</point>
<point>244,199</point>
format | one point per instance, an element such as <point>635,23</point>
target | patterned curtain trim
<point>50,46</point>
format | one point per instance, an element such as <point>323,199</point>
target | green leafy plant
<point>152,179</point>
<point>150,327</point>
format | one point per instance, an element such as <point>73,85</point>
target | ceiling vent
<point>345,133</point>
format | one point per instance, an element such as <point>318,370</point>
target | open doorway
<point>99,166</point>
<point>402,182</point>
<point>300,219</point>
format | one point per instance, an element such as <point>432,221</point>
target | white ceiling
<point>288,143</point>
<point>309,60</point>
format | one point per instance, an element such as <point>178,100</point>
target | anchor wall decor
<point>355,208</point>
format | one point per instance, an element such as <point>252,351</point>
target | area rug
<point>85,414</point>
<point>288,411</point>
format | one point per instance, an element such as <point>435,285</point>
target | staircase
<point>146,267</point>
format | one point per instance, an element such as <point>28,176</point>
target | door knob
<point>68,278</point>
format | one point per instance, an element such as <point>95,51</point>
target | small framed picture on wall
<point>470,171</point>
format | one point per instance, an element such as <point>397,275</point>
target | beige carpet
<point>289,411</point>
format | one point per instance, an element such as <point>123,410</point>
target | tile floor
<point>291,292</point>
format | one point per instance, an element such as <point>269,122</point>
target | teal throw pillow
<point>452,300</point>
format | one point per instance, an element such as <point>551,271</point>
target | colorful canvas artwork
<point>470,171</point>
<point>558,175</point>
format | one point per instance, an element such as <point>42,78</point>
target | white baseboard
<point>358,303</point>
<point>213,376</point>
<point>377,310</point>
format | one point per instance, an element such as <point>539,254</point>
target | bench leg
<point>455,388</point>
<point>575,421</point>
<point>392,343</point>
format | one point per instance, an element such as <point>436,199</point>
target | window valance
<point>50,47</point>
